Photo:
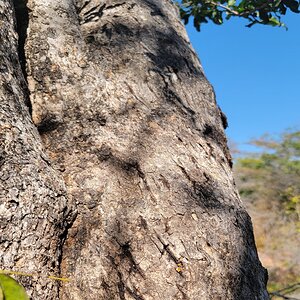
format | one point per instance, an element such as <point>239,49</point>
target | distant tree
<point>275,172</point>
<point>267,12</point>
<point>269,183</point>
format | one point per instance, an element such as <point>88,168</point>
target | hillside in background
<point>269,184</point>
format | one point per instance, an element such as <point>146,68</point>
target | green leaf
<point>267,12</point>
<point>10,289</point>
<point>231,2</point>
<point>274,22</point>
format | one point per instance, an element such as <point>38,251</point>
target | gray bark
<point>33,203</point>
<point>126,188</point>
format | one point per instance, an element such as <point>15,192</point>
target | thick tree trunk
<point>133,135</point>
<point>33,202</point>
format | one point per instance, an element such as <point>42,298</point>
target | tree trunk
<point>134,198</point>
<point>33,203</point>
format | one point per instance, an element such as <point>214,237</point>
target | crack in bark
<point>22,22</point>
<point>185,173</point>
<point>63,238</point>
<point>22,18</point>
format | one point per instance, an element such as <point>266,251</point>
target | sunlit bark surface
<point>122,181</point>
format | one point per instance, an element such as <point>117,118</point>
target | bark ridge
<point>131,170</point>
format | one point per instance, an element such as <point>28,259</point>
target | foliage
<point>267,12</point>
<point>274,172</point>
<point>10,289</point>
<point>269,184</point>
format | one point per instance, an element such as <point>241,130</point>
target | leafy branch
<point>267,12</point>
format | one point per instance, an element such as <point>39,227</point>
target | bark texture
<point>135,137</point>
<point>33,204</point>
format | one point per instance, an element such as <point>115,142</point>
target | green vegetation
<point>269,184</point>
<point>267,12</point>
<point>10,289</point>
<point>274,173</point>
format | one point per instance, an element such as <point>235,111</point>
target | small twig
<point>234,12</point>
<point>287,290</point>
<point>240,14</point>
<point>297,284</point>
<point>8,272</point>
<point>282,296</point>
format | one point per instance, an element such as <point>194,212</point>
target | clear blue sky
<point>256,75</point>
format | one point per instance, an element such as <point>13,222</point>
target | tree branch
<point>289,289</point>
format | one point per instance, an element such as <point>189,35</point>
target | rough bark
<point>132,130</point>
<point>33,204</point>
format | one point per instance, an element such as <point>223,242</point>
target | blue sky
<point>256,75</point>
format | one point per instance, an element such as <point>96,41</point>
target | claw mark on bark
<point>167,249</point>
<point>185,173</point>
<point>115,5</point>
<point>94,13</point>
<point>122,287</point>
<point>184,295</point>
<point>126,253</point>
<point>133,165</point>
<point>172,96</point>
<point>134,294</point>
<point>205,191</point>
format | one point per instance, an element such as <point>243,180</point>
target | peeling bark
<point>135,141</point>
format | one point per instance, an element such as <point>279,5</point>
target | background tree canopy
<point>267,12</point>
<point>274,173</point>
<point>269,184</point>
